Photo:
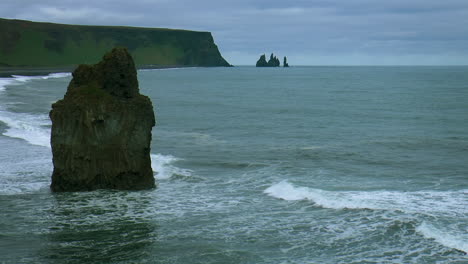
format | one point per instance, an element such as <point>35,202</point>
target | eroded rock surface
<point>101,129</point>
<point>272,62</point>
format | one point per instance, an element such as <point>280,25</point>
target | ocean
<point>255,165</point>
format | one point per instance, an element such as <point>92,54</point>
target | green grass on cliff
<point>32,44</point>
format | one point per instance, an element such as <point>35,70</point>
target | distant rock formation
<point>262,61</point>
<point>272,62</point>
<point>285,62</point>
<point>101,129</point>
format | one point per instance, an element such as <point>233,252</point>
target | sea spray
<point>458,241</point>
<point>34,128</point>
<point>23,78</point>
<point>163,167</point>
<point>5,82</point>
<point>425,202</point>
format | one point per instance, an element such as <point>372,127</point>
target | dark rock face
<point>262,61</point>
<point>272,62</point>
<point>68,45</point>
<point>101,129</point>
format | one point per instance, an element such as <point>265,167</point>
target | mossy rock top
<point>115,74</point>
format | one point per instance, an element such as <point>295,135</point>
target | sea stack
<point>285,62</point>
<point>101,129</point>
<point>272,62</point>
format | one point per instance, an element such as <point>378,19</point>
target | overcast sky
<point>309,32</point>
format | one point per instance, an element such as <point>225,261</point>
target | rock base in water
<point>101,129</point>
<point>272,62</point>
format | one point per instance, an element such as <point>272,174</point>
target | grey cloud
<point>310,32</point>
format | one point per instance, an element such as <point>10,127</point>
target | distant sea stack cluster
<point>26,44</point>
<point>101,129</point>
<point>272,62</point>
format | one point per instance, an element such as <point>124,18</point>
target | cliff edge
<point>34,44</point>
<point>101,129</point>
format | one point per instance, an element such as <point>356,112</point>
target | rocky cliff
<point>272,62</point>
<point>32,44</point>
<point>101,129</point>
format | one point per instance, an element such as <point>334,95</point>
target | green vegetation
<point>33,44</point>
<point>92,92</point>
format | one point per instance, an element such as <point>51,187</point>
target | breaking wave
<point>22,78</point>
<point>35,129</point>
<point>5,82</point>
<point>443,237</point>
<point>434,204</point>
<point>424,202</point>
<point>12,188</point>
<point>164,168</point>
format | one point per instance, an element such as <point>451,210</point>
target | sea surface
<point>255,165</point>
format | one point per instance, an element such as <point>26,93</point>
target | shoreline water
<point>8,72</point>
<point>32,71</point>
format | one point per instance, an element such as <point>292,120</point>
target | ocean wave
<point>459,241</point>
<point>24,78</point>
<point>195,137</point>
<point>57,75</point>
<point>311,147</point>
<point>424,202</point>
<point>20,79</point>
<point>5,82</point>
<point>162,165</point>
<point>35,129</point>
<point>22,188</point>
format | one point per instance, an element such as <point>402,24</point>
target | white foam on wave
<point>458,241</point>
<point>23,78</point>
<point>425,202</point>
<point>57,75</point>
<point>164,168</point>
<point>22,188</point>
<point>431,203</point>
<point>312,147</point>
<point>32,128</point>
<point>4,82</point>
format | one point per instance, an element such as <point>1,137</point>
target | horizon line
<point>360,65</point>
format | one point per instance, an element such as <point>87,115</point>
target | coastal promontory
<point>27,44</point>
<point>101,129</point>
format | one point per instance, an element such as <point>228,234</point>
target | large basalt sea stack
<point>101,129</point>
